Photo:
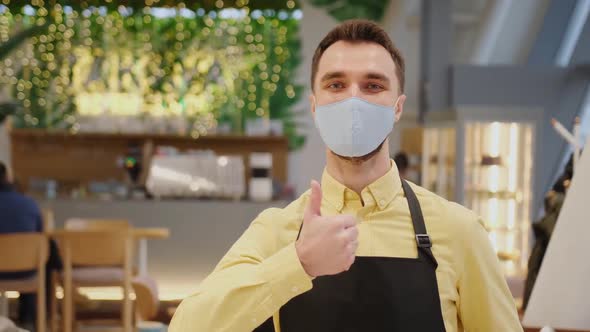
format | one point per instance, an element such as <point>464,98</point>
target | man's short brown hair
<point>357,31</point>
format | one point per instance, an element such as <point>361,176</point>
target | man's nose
<point>355,90</point>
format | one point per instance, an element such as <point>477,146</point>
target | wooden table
<point>140,234</point>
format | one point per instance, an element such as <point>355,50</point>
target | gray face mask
<point>354,127</point>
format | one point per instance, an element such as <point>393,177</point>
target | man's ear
<point>312,103</point>
<point>399,107</point>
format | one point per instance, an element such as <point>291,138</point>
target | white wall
<point>406,37</point>
<point>308,162</point>
<point>519,31</point>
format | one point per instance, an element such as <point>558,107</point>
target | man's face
<point>364,70</point>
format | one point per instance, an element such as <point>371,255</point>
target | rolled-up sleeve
<point>253,280</point>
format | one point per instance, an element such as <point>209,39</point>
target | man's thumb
<point>315,200</point>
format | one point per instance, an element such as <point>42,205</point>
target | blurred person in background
<point>18,214</point>
<point>543,229</point>
<point>402,163</point>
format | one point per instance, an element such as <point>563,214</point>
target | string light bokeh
<point>206,66</point>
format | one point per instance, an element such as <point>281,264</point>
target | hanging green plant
<point>17,39</point>
<point>202,68</point>
<point>349,9</point>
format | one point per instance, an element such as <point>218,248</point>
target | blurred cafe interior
<point>146,136</point>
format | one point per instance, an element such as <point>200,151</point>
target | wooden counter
<point>80,158</point>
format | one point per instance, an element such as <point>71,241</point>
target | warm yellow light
<point>493,178</point>
<point>12,294</point>
<point>494,139</point>
<point>493,212</point>
<point>513,157</point>
<point>511,223</point>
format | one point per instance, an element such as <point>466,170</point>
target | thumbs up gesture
<point>326,245</point>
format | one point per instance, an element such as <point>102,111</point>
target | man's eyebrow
<point>330,75</point>
<point>377,76</point>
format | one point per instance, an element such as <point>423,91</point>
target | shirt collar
<point>382,191</point>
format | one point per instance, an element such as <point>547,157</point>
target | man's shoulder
<point>450,213</point>
<point>290,215</point>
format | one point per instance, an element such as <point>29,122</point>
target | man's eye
<point>374,87</point>
<point>335,86</point>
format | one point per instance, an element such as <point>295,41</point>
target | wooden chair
<point>48,227</point>
<point>146,298</point>
<point>26,252</point>
<point>96,253</point>
<point>145,289</point>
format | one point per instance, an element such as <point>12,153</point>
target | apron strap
<point>422,238</point>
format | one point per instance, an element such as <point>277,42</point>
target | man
<point>363,251</point>
<point>18,214</point>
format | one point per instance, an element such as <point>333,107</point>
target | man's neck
<point>358,176</point>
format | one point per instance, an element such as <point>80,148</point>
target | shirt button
<point>382,202</point>
<point>295,289</point>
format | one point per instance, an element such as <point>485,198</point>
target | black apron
<point>375,294</point>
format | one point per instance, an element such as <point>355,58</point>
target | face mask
<point>354,127</point>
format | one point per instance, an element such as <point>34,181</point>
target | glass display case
<point>483,159</point>
<point>438,161</point>
<point>498,167</point>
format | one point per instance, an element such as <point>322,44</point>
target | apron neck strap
<point>422,238</point>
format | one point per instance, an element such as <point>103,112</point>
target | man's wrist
<point>299,249</point>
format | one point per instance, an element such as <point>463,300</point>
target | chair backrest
<point>81,224</point>
<point>97,242</point>
<point>23,251</point>
<point>95,247</point>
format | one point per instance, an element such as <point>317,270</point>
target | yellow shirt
<point>261,272</point>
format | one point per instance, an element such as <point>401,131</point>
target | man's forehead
<point>356,58</point>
